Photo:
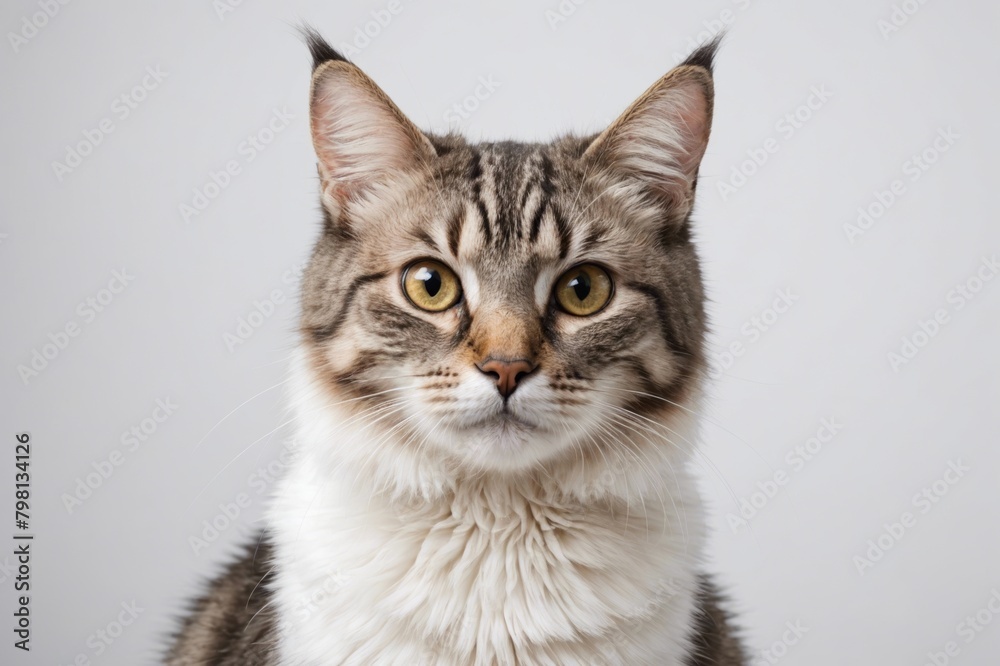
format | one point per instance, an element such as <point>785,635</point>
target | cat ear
<point>658,142</point>
<point>360,137</point>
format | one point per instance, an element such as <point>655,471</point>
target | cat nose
<point>506,373</point>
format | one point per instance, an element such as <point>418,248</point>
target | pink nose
<point>507,373</point>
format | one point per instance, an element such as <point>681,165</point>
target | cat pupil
<point>581,286</point>
<point>432,282</point>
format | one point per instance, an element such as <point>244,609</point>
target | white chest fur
<point>480,572</point>
<point>488,576</point>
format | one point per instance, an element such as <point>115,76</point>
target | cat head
<point>503,305</point>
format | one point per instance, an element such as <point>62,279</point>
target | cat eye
<point>431,286</point>
<point>584,290</point>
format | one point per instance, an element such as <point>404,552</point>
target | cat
<point>496,397</point>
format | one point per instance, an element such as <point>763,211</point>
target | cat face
<point>500,305</point>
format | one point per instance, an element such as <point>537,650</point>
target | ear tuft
<point>319,48</point>
<point>704,55</point>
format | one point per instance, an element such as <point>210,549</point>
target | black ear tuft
<point>321,51</point>
<point>704,55</point>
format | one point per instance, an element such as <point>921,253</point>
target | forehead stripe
<point>475,175</point>
<point>545,182</point>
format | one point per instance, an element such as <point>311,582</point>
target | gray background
<point>163,336</point>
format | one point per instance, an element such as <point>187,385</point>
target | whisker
<point>237,408</point>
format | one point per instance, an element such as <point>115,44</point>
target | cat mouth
<point>505,420</point>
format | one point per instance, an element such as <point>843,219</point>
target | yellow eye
<point>584,290</point>
<point>431,286</point>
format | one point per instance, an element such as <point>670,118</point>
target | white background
<point>783,229</point>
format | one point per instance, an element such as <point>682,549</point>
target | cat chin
<point>504,445</point>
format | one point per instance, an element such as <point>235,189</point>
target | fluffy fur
<point>428,519</point>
